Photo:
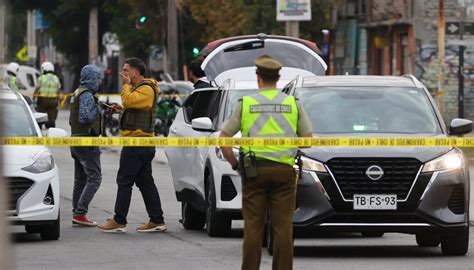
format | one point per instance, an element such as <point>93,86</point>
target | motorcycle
<point>166,109</point>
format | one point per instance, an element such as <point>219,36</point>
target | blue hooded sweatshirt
<point>88,107</point>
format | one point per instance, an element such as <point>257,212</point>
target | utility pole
<point>31,37</point>
<point>461,67</point>
<point>441,56</point>
<point>2,31</point>
<point>172,40</point>
<point>93,35</point>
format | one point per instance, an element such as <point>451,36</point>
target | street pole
<point>461,68</point>
<point>292,28</point>
<point>31,37</point>
<point>172,39</point>
<point>2,31</point>
<point>93,35</point>
<point>441,56</point>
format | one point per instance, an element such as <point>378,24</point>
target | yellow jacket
<point>140,98</point>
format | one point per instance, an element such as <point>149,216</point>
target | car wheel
<point>51,231</point>
<point>427,240</point>
<point>217,224</point>
<point>192,219</point>
<point>372,234</point>
<point>33,229</point>
<point>269,237</point>
<point>455,244</point>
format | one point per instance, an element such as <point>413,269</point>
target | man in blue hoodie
<point>85,120</point>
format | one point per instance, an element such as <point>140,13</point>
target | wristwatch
<point>235,167</point>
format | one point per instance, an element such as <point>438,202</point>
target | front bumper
<point>29,207</point>
<point>438,201</point>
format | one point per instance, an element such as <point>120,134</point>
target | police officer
<point>46,94</point>
<point>12,72</point>
<point>268,113</point>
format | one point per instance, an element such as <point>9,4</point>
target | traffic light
<point>140,21</point>
<point>195,52</point>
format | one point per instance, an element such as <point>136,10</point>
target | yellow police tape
<point>187,142</point>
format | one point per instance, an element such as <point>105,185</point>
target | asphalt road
<point>88,248</point>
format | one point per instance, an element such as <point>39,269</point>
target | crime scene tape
<point>197,142</point>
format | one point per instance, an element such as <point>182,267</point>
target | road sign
<point>468,28</point>
<point>22,54</point>
<point>453,28</point>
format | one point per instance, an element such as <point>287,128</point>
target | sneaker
<point>111,226</point>
<point>152,227</point>
<point>82,220</point>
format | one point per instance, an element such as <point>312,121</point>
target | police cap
<point>266,65</point>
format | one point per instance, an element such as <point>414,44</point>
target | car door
<point>187,163</point>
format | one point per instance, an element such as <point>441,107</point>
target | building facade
<point>396,37</point>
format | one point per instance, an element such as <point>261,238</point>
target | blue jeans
<point>135,168</point>
<point>87,177</point>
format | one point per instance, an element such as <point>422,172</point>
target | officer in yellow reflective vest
<point>46,94</point>
<point>13,81</point>
<point>272,184</point>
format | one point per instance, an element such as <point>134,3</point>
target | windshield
<point>369,110</point>
<point>234,96</point>
<point>16,120</point>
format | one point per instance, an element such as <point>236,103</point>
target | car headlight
<point>450,161</point>
<point>221,156</point>
<point>308,164</point>
<point>43,162</point>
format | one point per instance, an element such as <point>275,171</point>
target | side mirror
<point>460,126</point>
<point>202,124</point>
<point>56,132</point>
<point>40,117</point>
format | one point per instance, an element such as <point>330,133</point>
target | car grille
<point>456,201</point>
<point>228,191</point>
<point>17,187</point>
<point>399,174</point>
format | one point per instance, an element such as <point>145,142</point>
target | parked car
<point>376,190</point>
<point>30,171</point>
<point>27,75</point>
<point>209,190</point>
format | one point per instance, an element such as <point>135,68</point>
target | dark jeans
<point>87,177</point>
<point>135,168</point>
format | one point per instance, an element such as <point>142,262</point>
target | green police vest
<point>12,83</point>
<point>270,113</point>
<point>78,129</point>
<point>134,119</point>
<point>49,85</point>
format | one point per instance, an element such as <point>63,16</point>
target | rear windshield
<point>17,120</point>
<point>369,110</point>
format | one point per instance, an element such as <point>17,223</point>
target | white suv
<point>30,172</point>
<point>210,191</point>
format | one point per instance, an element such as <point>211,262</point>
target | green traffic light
<point>196,51</point>
<point>142,19</point>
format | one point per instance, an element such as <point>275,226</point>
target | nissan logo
<point>374,172</point>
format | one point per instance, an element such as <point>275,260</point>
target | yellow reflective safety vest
<point>49,85</point>
<point>12,83</point>
<point>270,113</point>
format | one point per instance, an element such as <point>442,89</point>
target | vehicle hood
<point>423,154</point>
<point>21,155</point>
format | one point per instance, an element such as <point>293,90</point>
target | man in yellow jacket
<point>137,119</point>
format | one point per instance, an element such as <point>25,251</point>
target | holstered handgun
<point>247,165</point>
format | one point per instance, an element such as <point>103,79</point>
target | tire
<point>51,231</point>
<point>269,237</point>
<point>191,218</point>
<point>32,228</point>
<point>427,240</point>
<point>217,224</point>
<point>372,234</point>
<point>455,244</point>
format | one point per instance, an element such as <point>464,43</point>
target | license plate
<point>375,202</point>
